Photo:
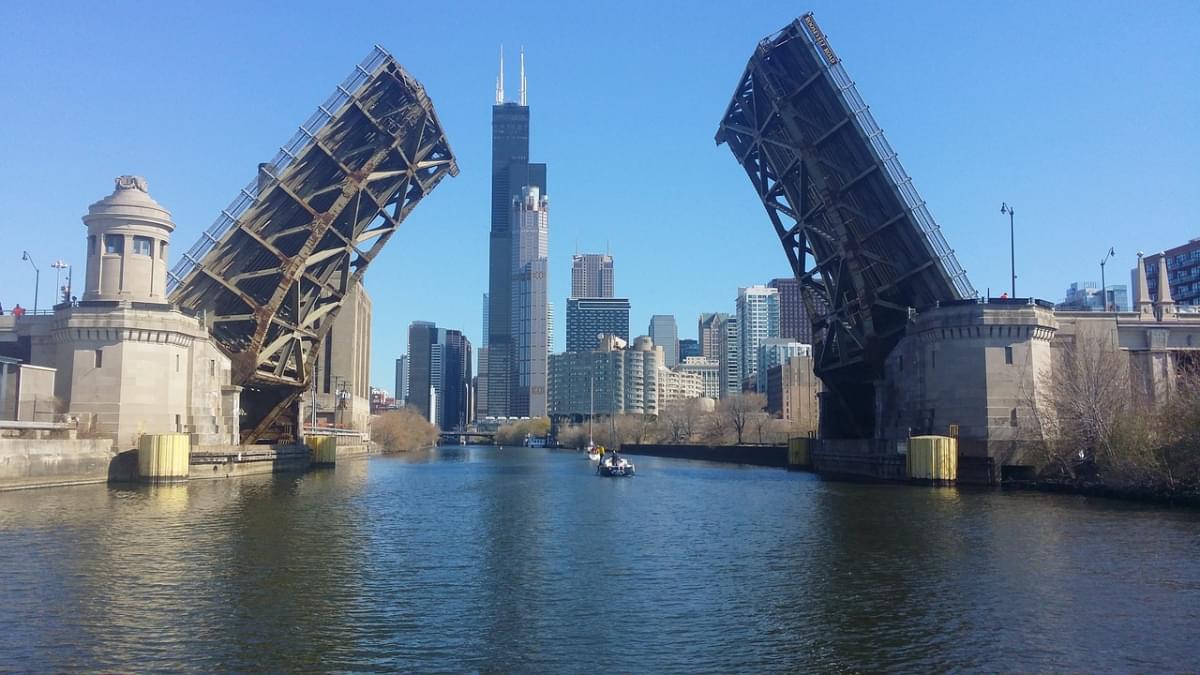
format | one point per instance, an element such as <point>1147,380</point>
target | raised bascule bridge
<point>269,276</point>
<point>854,229</point>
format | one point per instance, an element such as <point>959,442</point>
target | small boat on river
<point>613,465</point>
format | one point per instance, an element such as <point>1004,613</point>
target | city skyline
<point>962,175</point>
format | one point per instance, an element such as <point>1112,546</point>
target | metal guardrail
<point>890,161</point>
<point>361,74</point>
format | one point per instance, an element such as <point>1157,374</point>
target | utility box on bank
<point>799,453</point>
<point>932,459</point>
<point>324,450</point>
<point>163,458</point>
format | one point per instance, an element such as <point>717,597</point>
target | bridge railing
<point>896,174</point>
<point>361,74</point>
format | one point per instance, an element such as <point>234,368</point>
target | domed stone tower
<point>127,361</point>
<point>128,235</point>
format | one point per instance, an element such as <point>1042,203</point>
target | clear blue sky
<point>1081,114</point>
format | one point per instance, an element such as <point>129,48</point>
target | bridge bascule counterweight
<point>854,229</point>
<point>270,274</point>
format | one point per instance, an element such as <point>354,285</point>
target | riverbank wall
<point>754,455</point>
<point>34,462</point>
<point>27,463</point>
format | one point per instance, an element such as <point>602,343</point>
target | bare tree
<point>677,421</point>
<point>739,410</point>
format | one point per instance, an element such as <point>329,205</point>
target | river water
<point>477,559</point>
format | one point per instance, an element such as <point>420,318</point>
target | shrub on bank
<point>403,430</point>
<point>1098,428</point>
<point>514,434</point>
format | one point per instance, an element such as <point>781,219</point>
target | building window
<point>99,356</point>
<point>92,245</point>
<point>177,363</point>
<point>114,243</point>
<point>143,246</point>
<point>212,367</point>
<point>162,250</point>
<point>1012,418</point>
<point>1008,355</point>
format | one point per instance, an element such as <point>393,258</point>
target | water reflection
<point>479,559</point>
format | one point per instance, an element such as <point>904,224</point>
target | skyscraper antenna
<point>500,79</point>
<point>523,101</point>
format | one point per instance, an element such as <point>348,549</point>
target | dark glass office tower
<point>511,171</point>
<point>422,335</point>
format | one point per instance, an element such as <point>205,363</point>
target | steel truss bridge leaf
<point>854,229</point>
<point>270,275</point>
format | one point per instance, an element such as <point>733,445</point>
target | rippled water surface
<point>473,559</point>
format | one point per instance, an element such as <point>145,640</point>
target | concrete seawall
<point>755,455</point>
<point>29,463</point>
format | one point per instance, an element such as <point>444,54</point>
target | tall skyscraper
<point>665,334</point>
<point>439,374</point>
<point>588,318</point>
<point>710,331</point>
<point>794,321</point>
<point>530,310</point>
<point>730,357</point>
<point>422,335</point>
<point>591,275</point>
<point>454,396</point>
<point>402,380</point>
<point>757,319</point>
<point>511,174</point>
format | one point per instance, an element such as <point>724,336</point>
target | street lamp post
<point>1103,286</point>
<point>37,279</point>
<point>59,266</point>
<point>1012,248</point>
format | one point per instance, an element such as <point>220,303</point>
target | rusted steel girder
<point>854,230</point>
<point>270,275</point>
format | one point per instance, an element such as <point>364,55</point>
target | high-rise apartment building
<point>588,318</point>
<point>710,332</point>
<point>709,371</point>
<point>665,334</point>
<point>794,321</point>
<point>1183,273</point>
<point>678,385</point>
<point>530,306</point>
<point>758,319</point>
<point>591,275</point>
<point>615,378</point>
<point>730,357</point>
<point>773,352</point>
<point>512,173</point>
<point>402,380</point>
